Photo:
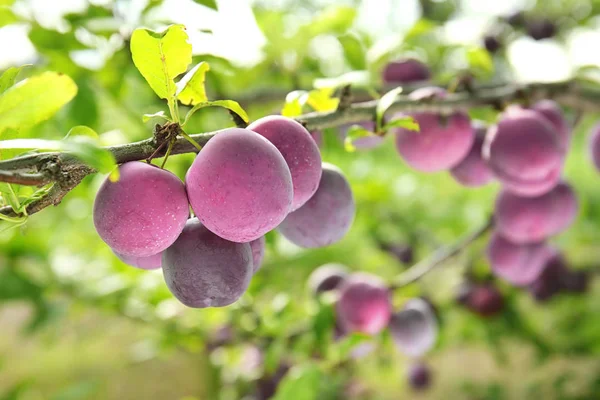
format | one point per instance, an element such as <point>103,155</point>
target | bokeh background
<point>76,323</point>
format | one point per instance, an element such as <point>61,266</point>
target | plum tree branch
<point>56,167</point>
<point>440,256</point>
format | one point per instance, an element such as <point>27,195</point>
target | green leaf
<point>294,101</point>
<point>9,196</point>
<point>421,27</point>
<point>353,133</point>
<point>37,195</point>
<point>84,147</point>
<point>190,89</point>
<point>349,343</point>
<point>158,114</point>
<point>354,52</point>
<point>334,19</point>
<point>322,99</point>
<point>229,104</point>
<point>301,383</point>
<point>35,100</point>
<point>7,79</point>
<point>480,61</point>
<point>354,78</point>
<point>7,17</point>
<point>207,3</point>
<point>82,130</point>
<point>161,56</point>
<point>404,122</point>
<point>384,103</point>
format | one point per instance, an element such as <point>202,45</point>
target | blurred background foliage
<point>76,323</point>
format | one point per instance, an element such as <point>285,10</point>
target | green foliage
<point>190,89</point>
<point>302,383</point>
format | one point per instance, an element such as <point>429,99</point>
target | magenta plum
<point>473,171</point>
<point>149,262</point>
<point>485,299</point>
<point>552,112</point>
<point>327,277</point>
<point>405,71</point>
<point>202,269</point>
<point>414,329</point>
<point>523,151</point>
<point>326,217</point>
<point>239,185</point>
<point>299,151</point>
<point>364,304</point>
<point>518,264</point>
<point>532,219</point>
<point>441,143</point>
<point>143,213</point>
<point>594,145</point>
<point>258,252</point>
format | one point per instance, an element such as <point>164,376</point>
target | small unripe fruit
<point>299,151</point>
<point>326,217</point>
<point>143,213</point>
<point>202,269</point>
<point>239,185</point>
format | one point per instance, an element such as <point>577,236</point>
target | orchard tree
<point>266,217</point>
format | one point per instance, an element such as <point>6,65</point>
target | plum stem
<point>439,257</point>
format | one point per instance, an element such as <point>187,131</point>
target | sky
<point>236,36</point>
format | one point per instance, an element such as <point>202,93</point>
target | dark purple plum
<point>414,329</point>
<point>239,185</point>
<point>299,151</point>
<point>364,304</point>
<point>523,151</point>
<point>491,43</point>
<point>326,217</point>
<point>441,143</point>
<point>540,29</point>
<point>551,281</point>
<point>258,252</point>
<point>519,264</point>
<point>202,269</point>
<point>419,376</point>
<point>576,281</point>
<point>594,145</point>
<point>473,171</point>
<point>552,112</point>
<point>533,219</point>
<point>327,277</point>
<point>405,71</point>
<point>485,300</point>
<point>143,213</point>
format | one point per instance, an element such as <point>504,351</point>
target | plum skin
<point>326,217</point>
<point>414,328</point>
<point>149,262</point>
<point>442,141</point>
<point>299,150</point>
<point>327,277</point>
<point>202,269</point>
<point>143,213</point>
<point>239,185</point>
<point>533,219</point>
<point>473,171</point>
<point>258,252</point>
<point>364,304</point>
<point>405,71</point>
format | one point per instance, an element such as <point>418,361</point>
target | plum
<point>149,262</point>
<point>473,171</point>
<point>326,217</point>
<point>327,277</point>
<point>364,304</point>
<point>239,185</point>
<point>594,145</point>
<point>258,252</point>
<point>143,213</point>
<point>299,151</point>
<point>419,376</point>
<point>414,329</point>
<point>407,70</point>
<point>441,143</point>
<point>202,269</point>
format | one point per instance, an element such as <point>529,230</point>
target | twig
<point>34,179</point>
<point>568,93</point>
<point>436,259</point>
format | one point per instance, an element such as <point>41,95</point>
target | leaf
<point>322,100</point>
<point>301,383</point>
<point>35,100</point>
<point>7,79</point>
<point>190,89</point>
<point>349,343</point>
<point>354,52</point>
<point>406,122</point>
<point>207,3</point>
<point>480,61</point>
<point>82,130</point>
<point>354,78</point>
<point>158,114</point>
<point>334,19</point>
<point>37,195</point>
<point>161,56</point>
<point>420,27</point>
<point>7,17</point>
<point>228,104</point>
<point>384,103</point>
<point>294,101</point>
<point>353,133</point>
<point>84,147</point>
<point>9,196</point>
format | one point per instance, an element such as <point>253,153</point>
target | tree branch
<point>34,179</point>
<point>568,93</point>
<point>440,256</point>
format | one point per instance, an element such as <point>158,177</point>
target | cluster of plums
<point>243,184</point>
<point>363,304</point>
